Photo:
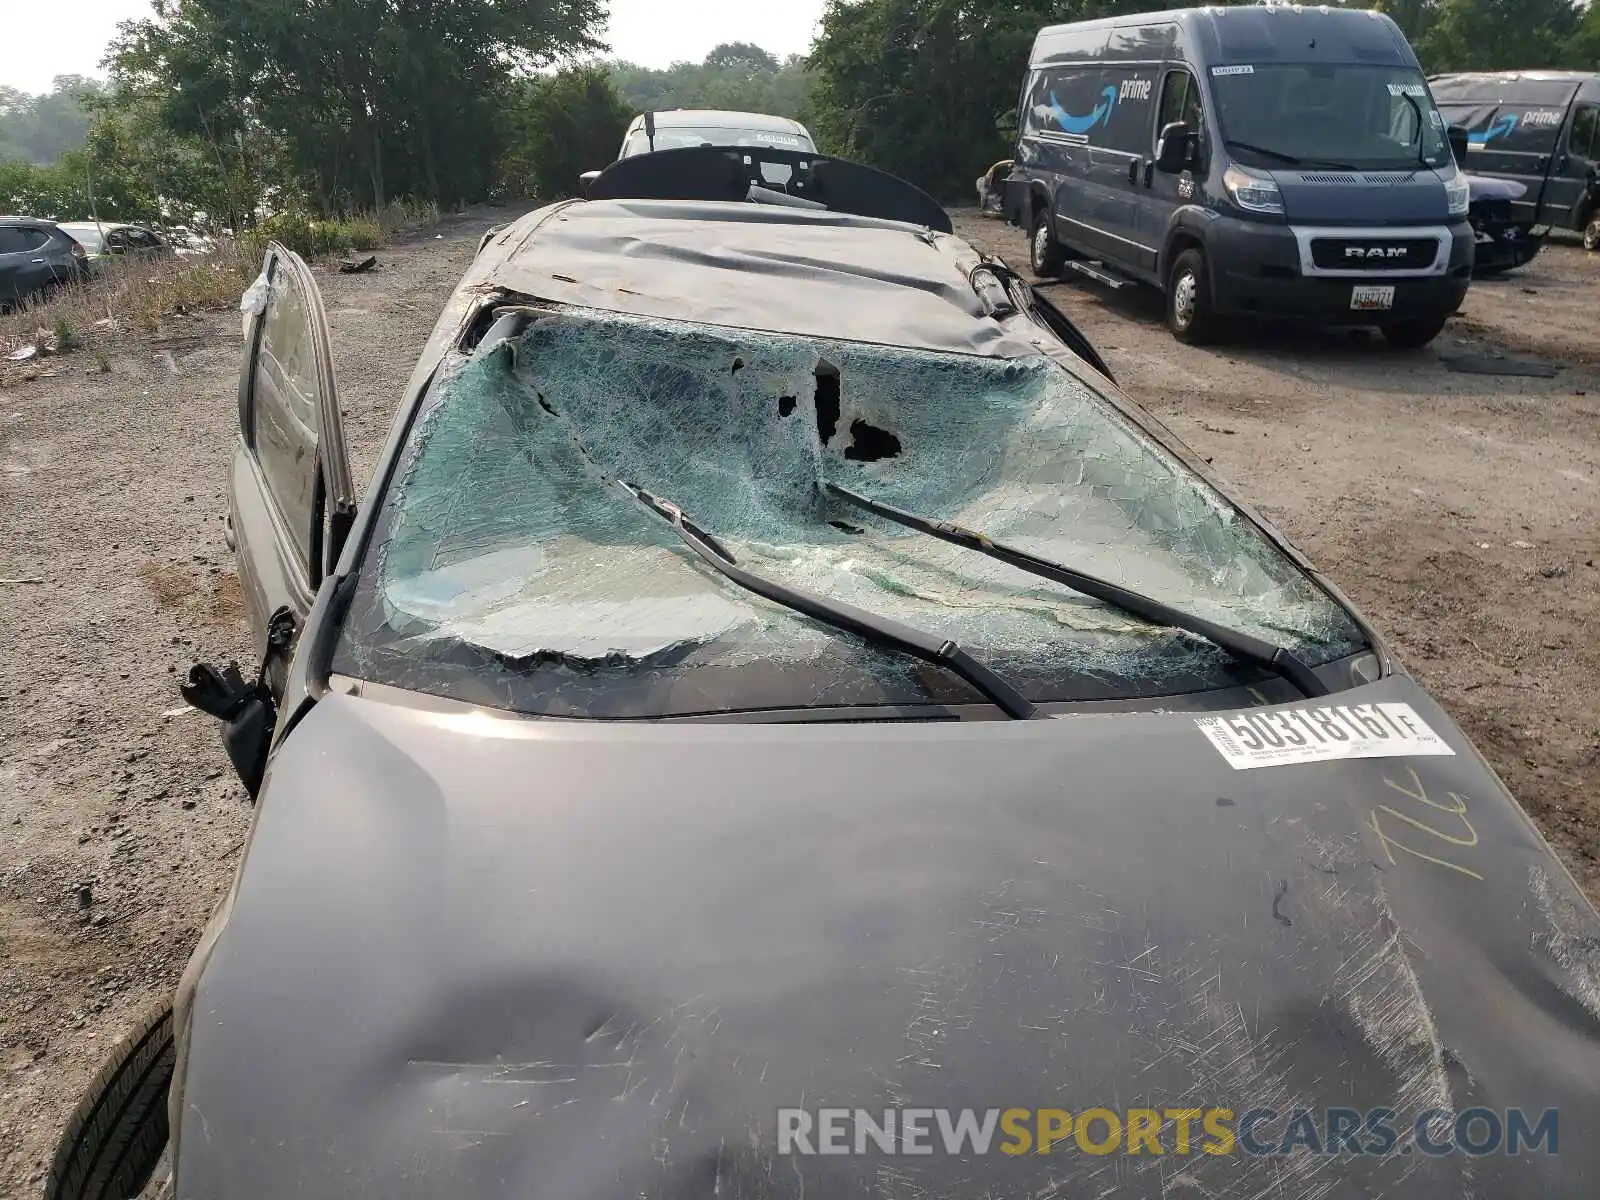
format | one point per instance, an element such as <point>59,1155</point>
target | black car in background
<point>36,256</point>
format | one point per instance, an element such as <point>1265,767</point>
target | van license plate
<point>1372,299</point>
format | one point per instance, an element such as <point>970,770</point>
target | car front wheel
<point>117,1136</point>
<point>1189,313</point>
<point>1045,255</point>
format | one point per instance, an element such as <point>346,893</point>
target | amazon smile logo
<point>1502,126</point>
<point>1101,112</point>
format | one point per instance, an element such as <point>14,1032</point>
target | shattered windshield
<point>511,570</point>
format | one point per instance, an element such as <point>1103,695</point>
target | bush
<point>311,237</point>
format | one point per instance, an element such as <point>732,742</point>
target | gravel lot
<point>1461,511</point>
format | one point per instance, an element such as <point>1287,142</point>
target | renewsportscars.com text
<point>1260,1132</point>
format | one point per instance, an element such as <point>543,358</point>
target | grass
<point>137,295</point>
<point>141,295</point>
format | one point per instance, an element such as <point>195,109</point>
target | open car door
<point>291,499</point>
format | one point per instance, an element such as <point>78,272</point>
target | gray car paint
<point>483,956</point>
<point>470,954</point>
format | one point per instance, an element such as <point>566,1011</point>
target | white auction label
<point>1275,737</point>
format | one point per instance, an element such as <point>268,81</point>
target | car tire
<point>1591,234</point>
<point>1045,254</point>
<point>1413,335</point>
<point>117,1135</point>
<point>1190,317</point>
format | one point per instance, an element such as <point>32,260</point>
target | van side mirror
<point>1172,147</point>
<point>585,180</point>
<point>1458,144</point>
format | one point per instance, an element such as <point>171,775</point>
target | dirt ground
<point>1460,511</point>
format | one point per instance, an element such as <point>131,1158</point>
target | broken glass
<point>514,569</point>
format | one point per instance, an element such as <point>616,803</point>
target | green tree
<point>1582,51</point>
<point>561,126</point>
<point>744,57</point>
<point>735,75</point>
<point>368,98</point>
<point>923,88</point>
<point>1498,35</point>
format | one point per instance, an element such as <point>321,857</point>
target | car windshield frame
<point>1247,104</point>
<point>405,628</point>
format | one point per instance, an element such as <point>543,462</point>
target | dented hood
<point>471,957</point>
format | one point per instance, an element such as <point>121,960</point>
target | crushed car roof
<point>753,266</point>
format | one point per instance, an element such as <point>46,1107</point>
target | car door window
<point>1583,141</point>
<point>16,240</point>
<point>287,386</point>
<point>1180,101</point>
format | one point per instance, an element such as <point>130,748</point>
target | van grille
<point>1373,254</point>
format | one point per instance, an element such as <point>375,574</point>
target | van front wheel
<point>1045,255</point>
<point>1413,335</point>
<point>1591,234</point>
<point>1189,313</point>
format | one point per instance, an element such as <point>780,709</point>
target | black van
<point>1539,128</point>
<point>1272,159</point>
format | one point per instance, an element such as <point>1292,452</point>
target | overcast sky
<point>68,37</point>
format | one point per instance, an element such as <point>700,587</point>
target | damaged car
<point>775,669</point>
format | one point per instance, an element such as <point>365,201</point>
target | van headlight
<point>1252,192</point>
<point>1457,194</point>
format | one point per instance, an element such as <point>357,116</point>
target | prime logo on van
<point>1135,89</point>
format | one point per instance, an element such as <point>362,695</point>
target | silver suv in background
<point>106,241</point>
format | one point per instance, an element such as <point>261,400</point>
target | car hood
<point>476,957</point>
<point>1486,187</point>
<point>1368,198</point>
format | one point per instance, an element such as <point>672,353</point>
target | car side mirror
<point>1172,147</point>
<point>1458,144</point>
<point>585,180</point>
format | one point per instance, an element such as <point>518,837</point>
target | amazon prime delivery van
<point>1272,159</point>
<point>1540,128</point>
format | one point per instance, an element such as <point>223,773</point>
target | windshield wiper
<point>886,632</point>
<point>1243,646</point>
<point>1262,150</point>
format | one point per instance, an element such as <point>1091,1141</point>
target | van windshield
<point>1360,117</point>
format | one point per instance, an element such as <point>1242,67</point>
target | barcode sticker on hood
<point>1318,733</point>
